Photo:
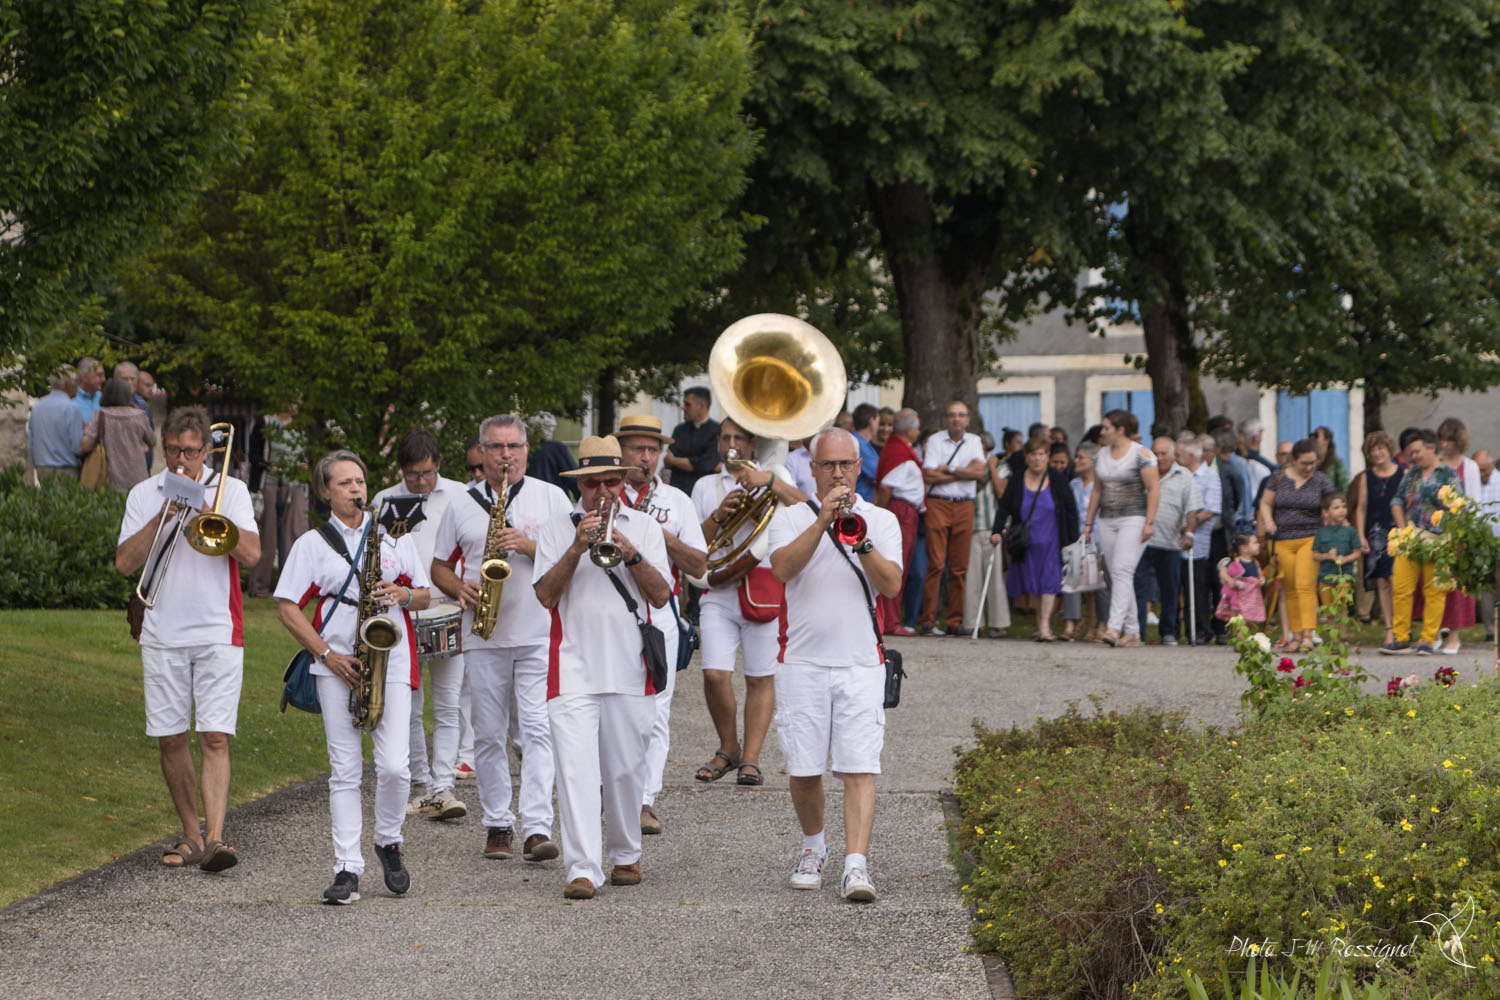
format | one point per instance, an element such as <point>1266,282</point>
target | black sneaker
<point>1395,648</point>
<point>397,878</point>
<point>345,889</point>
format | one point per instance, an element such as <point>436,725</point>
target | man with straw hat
<point>599,692</point>
<point>641,441</point>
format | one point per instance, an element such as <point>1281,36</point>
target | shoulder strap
<point>630,604</point>
<point>487,504</point>
<point>863,583</point>
<point>1046,485</point>
<point>337,542</point>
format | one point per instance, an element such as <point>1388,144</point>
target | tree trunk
<point>1171,358</point>
<point>605,403</point>
<point>939,275</point>
<point>1374,403</point>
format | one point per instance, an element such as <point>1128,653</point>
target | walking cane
<point>984,592</point>
<point>1192,601</point>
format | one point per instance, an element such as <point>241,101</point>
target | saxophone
<point>494,570</point>
<point>376,636</point>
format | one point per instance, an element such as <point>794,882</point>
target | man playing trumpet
<point>600,696</point>
<point>192,639</point>
<point>509,667</point>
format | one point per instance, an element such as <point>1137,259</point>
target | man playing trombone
<point>192,633</point>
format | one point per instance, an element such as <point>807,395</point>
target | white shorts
<point>179,678</point>
<point>723,631</point>
<point>825,713</point>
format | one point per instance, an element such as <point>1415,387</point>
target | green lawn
<point>80,782</point>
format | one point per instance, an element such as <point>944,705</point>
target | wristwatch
<point>864,547</point>
<point>632,560</point>
<point>323,656</point>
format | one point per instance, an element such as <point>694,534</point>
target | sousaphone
<point>781,380</point>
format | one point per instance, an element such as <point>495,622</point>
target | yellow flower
<point>1447,763</point>
<point>1223,863</point>
<point>1235,847</point>
<point>1280,856</point>
<point>1405,825</point>
<point>1437,518</point>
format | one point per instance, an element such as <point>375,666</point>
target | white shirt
<point>674,511</point>
<point>314,569</point>
<point>708,493</point>
<point>446,492</point>
<point>905,482</point>
<point>595,645</point>
<point>940,452</point>
<point>799,467</point>
<point>462,533</point>
<point>1488,498</point>
<point>825,620</point>
<point>199,602</point>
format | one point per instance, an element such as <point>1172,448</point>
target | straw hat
<point>598,454</point>
<point>642,425</point>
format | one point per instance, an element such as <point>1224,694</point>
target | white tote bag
<point>1082,570</point>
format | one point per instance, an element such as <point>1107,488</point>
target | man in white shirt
<point>641,440</point>
<point>192,639</point>
<point>420,457</point>
<point>799,467</point>
<point>953,464</point>
<point>1211,498</point>
<point>508,669</point>
<point>1489,501</point>
<point>831,676</point>
<point>600,697</point>
<point>900,489</point>
<point>723,621</point>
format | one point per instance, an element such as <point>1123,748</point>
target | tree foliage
<point>453,210</point>
<point>113,111</point>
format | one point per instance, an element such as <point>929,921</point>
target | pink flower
<point>1287,665</point>
<point>1393,687</point>
<point>1446,676</point>
<point>1301,682</point>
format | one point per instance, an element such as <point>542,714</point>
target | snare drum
<point>439,630</point>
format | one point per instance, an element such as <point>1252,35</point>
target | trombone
<point>212,533</point>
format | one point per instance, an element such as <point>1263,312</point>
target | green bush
<point>57,545</point>
<point>1111,856</point>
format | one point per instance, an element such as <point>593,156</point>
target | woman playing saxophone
<point>319,565</point>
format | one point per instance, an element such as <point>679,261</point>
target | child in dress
<point>1335,548</point>
<point>1240,579</point>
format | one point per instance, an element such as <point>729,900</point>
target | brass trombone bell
<point>777,376</point>
<point>212,533</point>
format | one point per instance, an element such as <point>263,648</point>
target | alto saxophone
<point>376,637</point>
<point>494,570</point>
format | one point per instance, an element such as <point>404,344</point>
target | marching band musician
<point>598,688</point>
<point>315,568</point>
<point>508,669</point>
<point>723,624</point>
<point>192,640</point>
<point>641,440</point>
<point>831,679</point>
<point>420,457</point>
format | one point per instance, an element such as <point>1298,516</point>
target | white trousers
<point>1120,544</point>
<point>445,680</point>
<point>601,741</point>
<point>997,604</point>
<point>661,734</point>
<point>499,678</point>
<point>346,767</point>
<point>465,725</point>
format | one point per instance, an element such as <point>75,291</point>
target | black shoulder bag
<point>894,673</point>
<point>299,687</point>
<point>1017,537</point>
<point>652,642</point>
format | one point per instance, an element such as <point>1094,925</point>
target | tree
<point>450,211</point>
<point>931,127</point>
<point>113,110</point>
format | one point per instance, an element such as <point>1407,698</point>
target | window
<point>1137,401</point>
<point>1009,409</point>
<point>1296,416</point>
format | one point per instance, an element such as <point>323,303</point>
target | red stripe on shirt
<point>554,680</point>
<point>404,580</point>
<point>236,605</point>
<point>781,632</point>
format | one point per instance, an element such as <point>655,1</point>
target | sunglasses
<point>595,482</point>
<point>475,467</point>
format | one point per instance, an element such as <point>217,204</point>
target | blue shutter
<point>1009,409</point>
<point>1296,416</point>
<point>1139,403</point>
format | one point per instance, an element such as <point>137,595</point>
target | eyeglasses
<point>416,477</point>
<point>828,465</point>
<point>504,446</point>
<point>595,482</point>
<point>171,450</point>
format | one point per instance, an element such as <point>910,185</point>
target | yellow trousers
<point>1299,582</point>
<point>1403,585</point>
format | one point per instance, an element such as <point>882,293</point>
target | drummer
<point>420,459</point>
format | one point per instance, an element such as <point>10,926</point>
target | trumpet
<point>147,593</point>
<point>603,552</point>
<point>848,526</point>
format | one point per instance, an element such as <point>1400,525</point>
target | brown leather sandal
<point>713,770</point>
<point>750,774</point>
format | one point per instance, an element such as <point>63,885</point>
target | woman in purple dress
<point>1043,502</point>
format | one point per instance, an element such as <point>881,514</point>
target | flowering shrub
<point>1275,679</point>
<point>1114,856</point>
<point>1464,554</point>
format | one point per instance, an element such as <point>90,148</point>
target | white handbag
<point>1082,569</point>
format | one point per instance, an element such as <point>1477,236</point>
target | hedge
<point>57,544</point>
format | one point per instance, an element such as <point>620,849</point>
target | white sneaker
<point>414,807</point>
<point>808,872</point>
<point>1151,618</point>
<point>857,886</point>
<point>443,805</point>
<point>464,772</point>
